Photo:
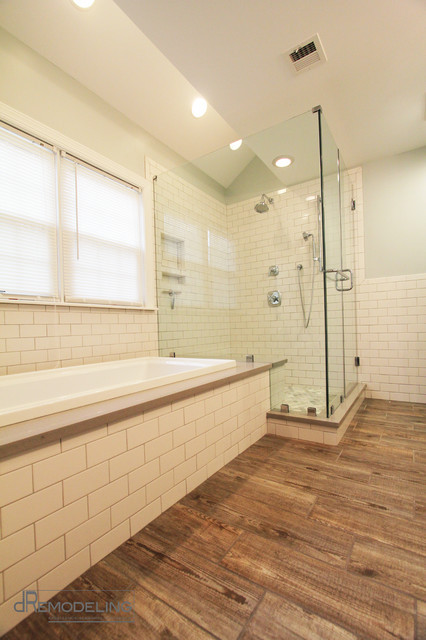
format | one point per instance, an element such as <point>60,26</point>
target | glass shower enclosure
<point>256,260</point>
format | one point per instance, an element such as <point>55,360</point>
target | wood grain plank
<point>399,483</point>
<point>277,618</point>
<point>348,516</point>
<point>421,620</point>
<point>317,451</point>
<point>420,457</point>
<point>315,482</point>
<point>294,531</point>
<point>364,436</point>
<point>389,565</point>
<point>420,510</point>
<point>181,526</point>
<point>209,595</point>
<point>276,469</point>
<point>401,441</point>
<point>362,607</point>
<point>374,457</point>
<point>154,619</point>
<point>279,495</point>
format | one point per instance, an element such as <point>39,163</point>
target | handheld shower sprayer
<point>307,316</point>
<point>306,236</point>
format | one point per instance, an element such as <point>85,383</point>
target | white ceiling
<point>152,62</point>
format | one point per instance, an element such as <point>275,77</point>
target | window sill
<point>51,303</point>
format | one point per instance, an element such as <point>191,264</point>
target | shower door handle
<point>344,278</point>
<point>340,277</point>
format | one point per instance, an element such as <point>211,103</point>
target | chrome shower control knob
<point>274,298</point>
<point>274,270</point>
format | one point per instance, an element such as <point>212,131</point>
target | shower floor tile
<point>300,397</point>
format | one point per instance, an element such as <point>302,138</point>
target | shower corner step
<point>312,428</point>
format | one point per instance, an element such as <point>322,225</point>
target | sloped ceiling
<point>372,88</point>
<point>150,58</point>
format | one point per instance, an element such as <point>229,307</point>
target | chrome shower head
<point>307,235</point>
<point>262,207</point>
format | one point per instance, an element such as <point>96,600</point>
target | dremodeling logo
<point>86,605</point>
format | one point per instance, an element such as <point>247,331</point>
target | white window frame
<point>53,137</point>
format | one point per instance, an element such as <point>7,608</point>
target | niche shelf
<point>173,262</point>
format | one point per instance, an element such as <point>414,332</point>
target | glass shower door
<point>348,215</point>
<point>332,267</point>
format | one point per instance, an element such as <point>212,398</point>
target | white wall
<point>395,215</point>
<point>391,323</point>
<point>36,87</point>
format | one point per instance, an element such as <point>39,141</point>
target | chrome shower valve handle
<point>274,298</point>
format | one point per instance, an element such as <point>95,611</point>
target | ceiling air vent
<point>306,54</point>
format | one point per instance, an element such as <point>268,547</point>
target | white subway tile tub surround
<point>74,500</point>
<point>35,337</point>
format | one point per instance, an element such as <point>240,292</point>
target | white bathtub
<point>25,396</point>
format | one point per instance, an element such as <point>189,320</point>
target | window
<point>69,232</point>
<point>101,236</point>
<point>28,218</point>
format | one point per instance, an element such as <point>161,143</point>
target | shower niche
<point>223,220</point>
<point>173,258</point>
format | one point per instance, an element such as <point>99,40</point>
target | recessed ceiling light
<point>83,4</point>
<point>282,161</point>
<point>236,145</point>
<point>199,107</point>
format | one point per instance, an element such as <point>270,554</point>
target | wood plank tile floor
<point>290,540</point>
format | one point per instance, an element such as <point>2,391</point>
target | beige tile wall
<point>34,337</point>
<point>66,505</point>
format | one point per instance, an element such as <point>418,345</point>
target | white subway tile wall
<point>390,312</point>
<point>217,257</point>
<point>391,316</point>
<point>68,504</point>
<point>34,337</point>
<point>193,260</point>
<point>264,240</point>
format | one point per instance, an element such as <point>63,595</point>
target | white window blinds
<point>101,236</point>
<point>28,218</point>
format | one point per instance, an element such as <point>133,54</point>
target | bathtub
<point>25,396</point>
